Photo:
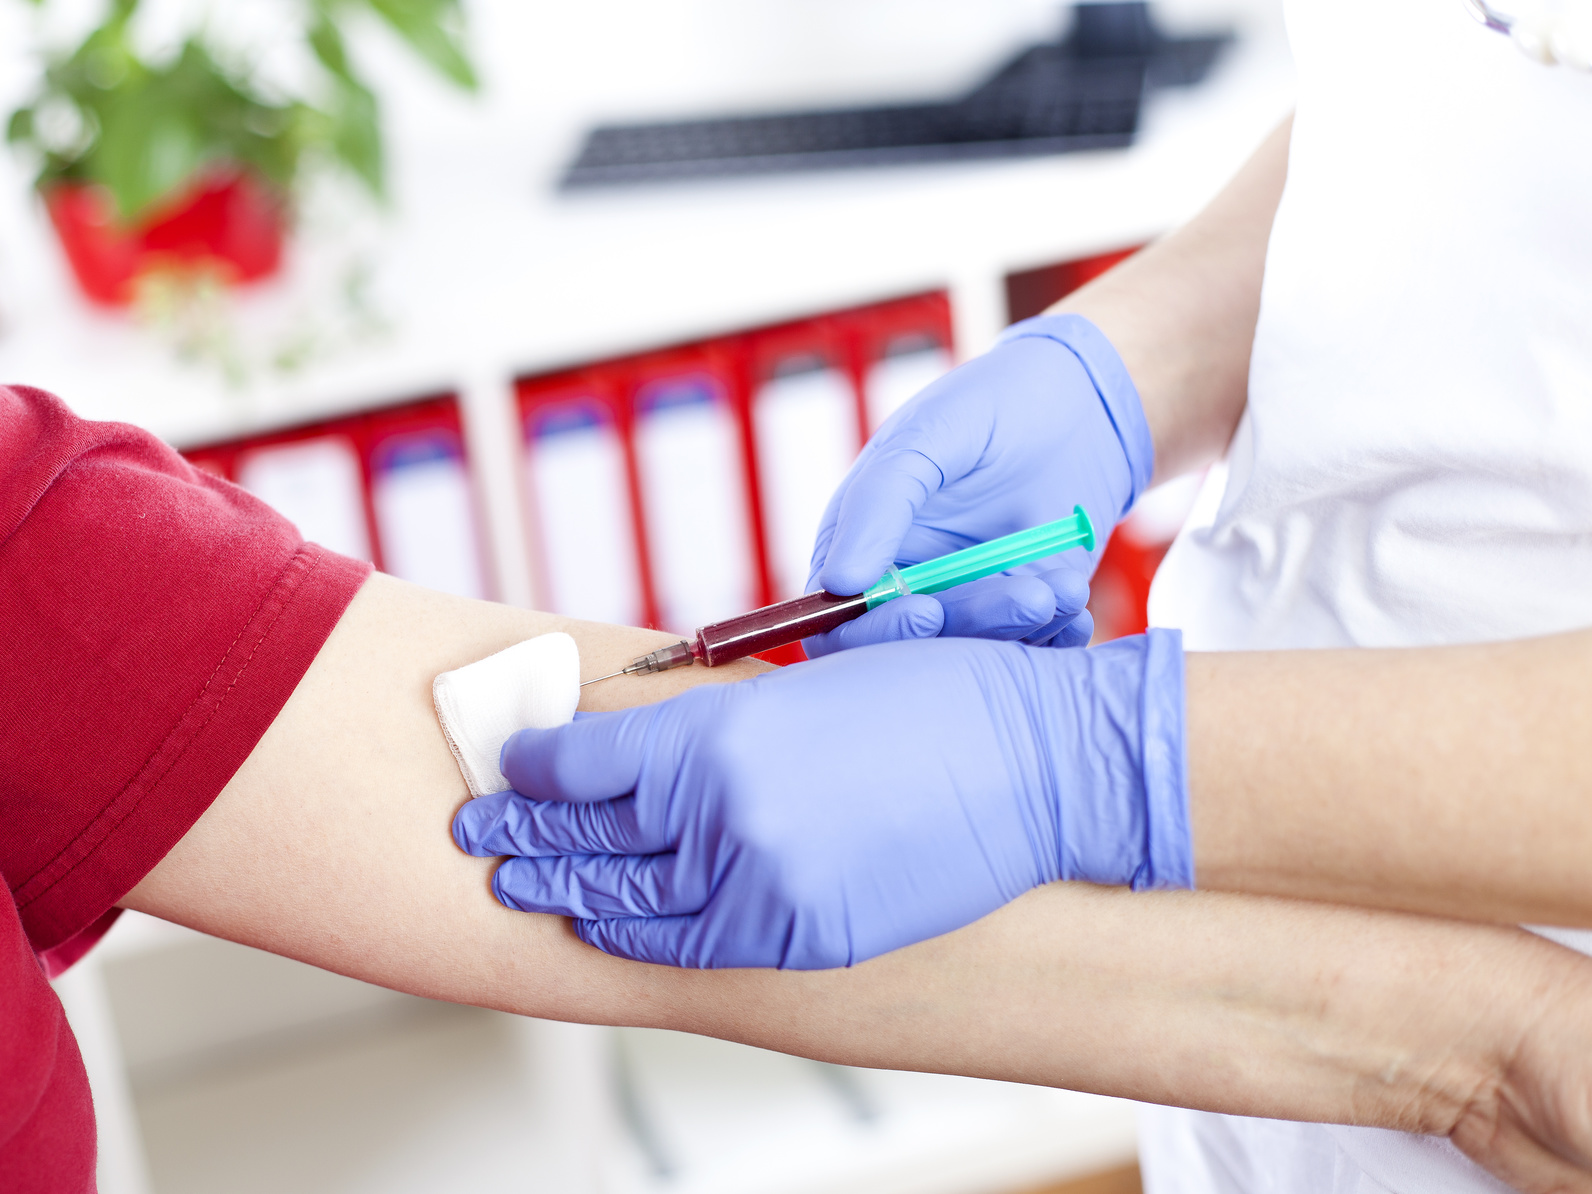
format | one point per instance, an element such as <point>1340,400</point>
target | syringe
<point>791,621</point>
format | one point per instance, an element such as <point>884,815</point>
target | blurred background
<point>585,307</point>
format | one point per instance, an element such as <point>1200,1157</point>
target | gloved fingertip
<point>914,616</point>
<point>882,497</point>
<point>1071,589</point>
<point>1032,601</point>
<point>460,829</point>
<point>500,890</point>
<point>1077,632</point>
<point>474,823</point>
<point>820,645</point>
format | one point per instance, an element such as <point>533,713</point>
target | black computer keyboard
<point>1083,92</point>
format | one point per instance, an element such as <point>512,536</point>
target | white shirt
<point>1415,462</point>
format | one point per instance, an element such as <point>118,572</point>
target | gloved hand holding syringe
<point>816,613</point>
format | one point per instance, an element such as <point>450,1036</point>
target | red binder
<point>1030,291</point>
<point>391,487</point>
<point>582,498</point>
<point>896,349</point>
<point>806,432</point>
<point>699,506</point>
<point>423,499</point>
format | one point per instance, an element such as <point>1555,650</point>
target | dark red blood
<point>776,625</point>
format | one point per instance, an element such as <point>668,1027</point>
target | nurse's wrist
<point>1112,383</point>
<point>1115,725</point>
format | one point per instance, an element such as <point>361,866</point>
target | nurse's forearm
<point>1454,780</point>
<point>1182,313</point>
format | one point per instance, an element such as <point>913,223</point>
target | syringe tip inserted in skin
<point>664,658</point>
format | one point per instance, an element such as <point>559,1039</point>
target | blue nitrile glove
<point>828,812</point>
<point>1047,419</point>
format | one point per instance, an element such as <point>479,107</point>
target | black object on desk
<point>1082,92</point>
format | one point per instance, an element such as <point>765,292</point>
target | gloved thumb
<point>595,757</point>
<point>876,510</point>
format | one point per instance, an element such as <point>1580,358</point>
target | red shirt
<point>153,621</point>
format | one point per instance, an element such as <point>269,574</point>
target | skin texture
<point>331,845</point>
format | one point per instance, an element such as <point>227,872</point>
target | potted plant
<point>189,159</point>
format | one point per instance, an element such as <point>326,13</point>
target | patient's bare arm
<point>332,845</point>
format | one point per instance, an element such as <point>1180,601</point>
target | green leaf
<point>433,29</point>
<point>356,136</point>
<point>147,129</point>
<point>147,150</point>
<point>19,128</point>
<point>161,127</point>
<point>327,42</point>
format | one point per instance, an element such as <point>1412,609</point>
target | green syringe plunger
<point>985,559</point>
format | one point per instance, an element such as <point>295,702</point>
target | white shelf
<point>485,271</point>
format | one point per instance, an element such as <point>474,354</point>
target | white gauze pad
<point>531,685</point>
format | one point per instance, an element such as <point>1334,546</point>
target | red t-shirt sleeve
<point>153,622</point>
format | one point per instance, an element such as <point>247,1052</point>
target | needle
<point>660,660</point>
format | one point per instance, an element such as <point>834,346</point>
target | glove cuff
<point>1111,381</point>
<point>1119,770</point>
<point>1169,844</point>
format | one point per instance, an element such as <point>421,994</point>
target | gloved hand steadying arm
<point>820,815</point>
<point>1047,419</point>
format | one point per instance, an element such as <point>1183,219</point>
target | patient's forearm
<point>1227,1003</point>
<point>331,845</point>
<point>1232,1003</point>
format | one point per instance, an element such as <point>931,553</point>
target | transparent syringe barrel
<point>776,625</point>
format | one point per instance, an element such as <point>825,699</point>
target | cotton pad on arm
<point>531,685</point>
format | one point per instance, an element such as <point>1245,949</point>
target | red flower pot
<point>225,219</point>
